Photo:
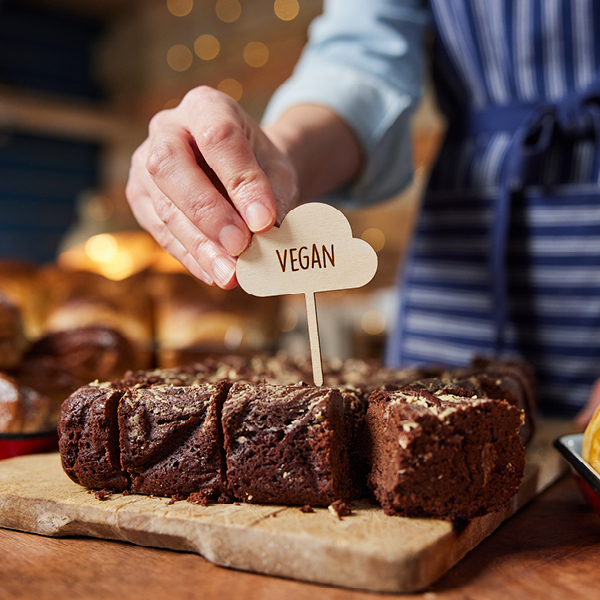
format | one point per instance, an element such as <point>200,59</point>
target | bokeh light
<point>373,322</point>
<point>232,88</point>
<point>288,319</point>
<point>256,54</point>
<point>228,10</point>
<point>207,47</point>
<point>179,58</point>
<point>100,208</point>
<point>233,338</point>
<point>180,8</point>
<point>102,247</point>
<point>286,10</point>
<point>375,237</point>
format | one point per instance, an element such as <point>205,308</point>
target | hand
<point>205,179</point>
<point>587,412</point>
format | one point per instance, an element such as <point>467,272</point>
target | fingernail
<point>223,270</point>
<point>258,216</point>
<point>206,277</point>
<point>232,238</point>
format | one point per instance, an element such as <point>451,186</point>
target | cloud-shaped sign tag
<point>312,251</point>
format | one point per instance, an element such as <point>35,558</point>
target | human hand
<point>205,179</point>
<point>587,412</point>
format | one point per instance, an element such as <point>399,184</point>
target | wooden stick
<point>313,335</point>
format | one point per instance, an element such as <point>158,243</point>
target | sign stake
<point>313,336</point>
<point>312,251</point>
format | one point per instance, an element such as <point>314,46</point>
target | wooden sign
<point>312,251</point>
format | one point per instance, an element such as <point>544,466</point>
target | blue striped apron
<point>505,258</point>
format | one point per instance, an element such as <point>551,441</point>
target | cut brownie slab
<point>443,455</point>
<point>287,444</point>
<point>171,441</point>
<point>89,438</point>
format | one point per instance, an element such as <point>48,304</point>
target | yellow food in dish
<point>590,451</point>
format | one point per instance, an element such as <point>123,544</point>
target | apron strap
<point>533,128</point>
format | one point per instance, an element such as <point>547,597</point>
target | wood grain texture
<point>548,551</point>
<point>366,550</point>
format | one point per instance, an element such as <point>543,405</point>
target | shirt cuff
<point>379,115</point>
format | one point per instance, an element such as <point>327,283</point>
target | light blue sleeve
<point>364,60</point>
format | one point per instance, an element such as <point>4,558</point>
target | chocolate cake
<point>483,384</point>
<point>241,427</point>
<point>443,455</point>
<point>170,439</point>
<point>89,438</point>
<point>286,444</point>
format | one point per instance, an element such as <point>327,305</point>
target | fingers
<point>174,170</point>
<point>227,139</point>
<point>221,134</point>
<point>178,236</point>
<point>205,179</point>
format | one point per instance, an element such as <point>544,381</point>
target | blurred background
<point>79,81</point>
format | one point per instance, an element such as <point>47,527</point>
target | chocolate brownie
<point>89,438</point>
<point>444,447</point>
<point>443,455</point>
<point>513,381</point>
<point>170,438</point>
<point>287,444</point>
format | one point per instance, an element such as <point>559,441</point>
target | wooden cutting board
<point>366,550</point>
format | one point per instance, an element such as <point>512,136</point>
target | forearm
<point>323,149</point>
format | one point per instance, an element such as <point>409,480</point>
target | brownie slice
<point>287,444</point>
<point>504,379</point>
<point>89,438</point>
<point>443,455</point>
<point>171,441</point>
<point>177,377</point>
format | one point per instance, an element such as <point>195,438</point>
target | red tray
<point>17,444</point>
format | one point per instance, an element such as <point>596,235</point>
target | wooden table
<point>550,550</point>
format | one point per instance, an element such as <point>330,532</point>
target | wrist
<point>322,149</point>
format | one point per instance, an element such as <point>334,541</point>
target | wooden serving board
<point>366,550</point>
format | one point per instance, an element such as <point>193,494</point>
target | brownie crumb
<point>224,498</point>
<point>126,492</point>
<point>171,501</point>
<point>340,509</point>
<point>102,494</point>
<point>198,498</point>
<point>307,508</point>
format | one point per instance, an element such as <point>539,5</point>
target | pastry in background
<point>12,337</point>
<point>193,320</point>
<point>19,282</point>
<point>77,299</point>
<point>59,363</point>
<point>24,410</point>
